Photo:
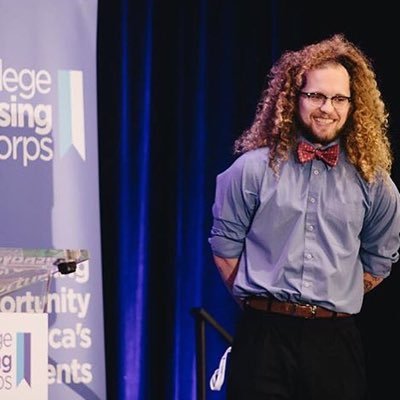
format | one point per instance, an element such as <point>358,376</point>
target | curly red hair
<point>365,137</point>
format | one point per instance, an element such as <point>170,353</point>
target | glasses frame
<point>319,99</point>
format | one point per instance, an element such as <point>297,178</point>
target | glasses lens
<point>318,99</point>
<point>340,101</point>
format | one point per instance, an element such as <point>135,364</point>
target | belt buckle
<point>313,309</point>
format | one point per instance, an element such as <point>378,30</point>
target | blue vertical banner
<point>49,176</point>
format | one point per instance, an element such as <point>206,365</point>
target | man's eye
<point>316,96</point>
<point>339,99</point>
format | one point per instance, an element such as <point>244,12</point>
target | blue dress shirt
<point>307,235</point>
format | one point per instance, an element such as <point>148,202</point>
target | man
<point>306,221</point>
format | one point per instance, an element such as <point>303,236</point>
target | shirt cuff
<point>225,248</point>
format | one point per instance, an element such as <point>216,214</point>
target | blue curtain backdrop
<point>177,83</point>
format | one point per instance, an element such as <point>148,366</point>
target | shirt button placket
<point>310,229</point>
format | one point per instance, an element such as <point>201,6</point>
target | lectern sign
<point>23,356</point>
<point>25,277</point>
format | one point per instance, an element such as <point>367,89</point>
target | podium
<point>25,279</point>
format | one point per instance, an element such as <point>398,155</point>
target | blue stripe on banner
<point>64,114</point>
<point>27,358</point>
<point>20,357</point>
<point>77,113</point>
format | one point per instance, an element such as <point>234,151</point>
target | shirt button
<point>310,228</point>
<point>316,172</point>
<point>312,200</point>
<point>308,256</point>
<point>306,284</point>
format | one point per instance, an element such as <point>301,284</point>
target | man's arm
<point>228,268</point>
<point>370,281</point>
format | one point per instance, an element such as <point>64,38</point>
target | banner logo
<point>71,112</point>
<point>24,356</point>
<point>26,114</point>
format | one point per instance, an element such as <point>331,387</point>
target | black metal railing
<point>202,317</point>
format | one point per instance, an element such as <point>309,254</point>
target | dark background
<point>177,83</point>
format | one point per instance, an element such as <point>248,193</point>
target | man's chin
<point>320,139</point>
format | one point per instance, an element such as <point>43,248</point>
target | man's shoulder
<point>250,163</point>
<point>260,154</point>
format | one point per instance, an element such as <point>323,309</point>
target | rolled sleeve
<point>380,237</point>
<point>236,200</point>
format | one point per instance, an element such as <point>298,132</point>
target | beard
<point>308,133</point>
<point>313,138</point>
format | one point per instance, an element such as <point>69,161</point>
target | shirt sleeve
<point>380,236</point>
<point>236,200</point>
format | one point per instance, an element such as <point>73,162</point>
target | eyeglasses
<point>318,99</point>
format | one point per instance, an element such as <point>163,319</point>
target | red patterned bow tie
<point>306,152</point>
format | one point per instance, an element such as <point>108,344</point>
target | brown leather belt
<point>308,311</point>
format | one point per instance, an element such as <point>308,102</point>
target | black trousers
<point>279,357</point>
